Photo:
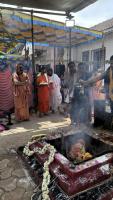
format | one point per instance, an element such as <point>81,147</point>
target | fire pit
<point>70,179</point>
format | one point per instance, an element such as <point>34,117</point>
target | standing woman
<point>21,93</point>
<point>43,92</point>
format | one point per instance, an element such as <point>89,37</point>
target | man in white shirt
<point>54,87</point>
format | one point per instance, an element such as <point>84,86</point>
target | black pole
<point>70,44</point>
<point>32,33</point>
<point>103,52</point>
<point>33,64</point>
<point>25,49</point>
<point>34,11</point>
<point>54,57</point>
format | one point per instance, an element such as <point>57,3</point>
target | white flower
<point>46,174</point>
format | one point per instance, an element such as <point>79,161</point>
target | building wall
<point>50,55</point>
<point>108,44</point>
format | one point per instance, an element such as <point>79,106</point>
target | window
<point>98,57</point>
<point>85,58</point>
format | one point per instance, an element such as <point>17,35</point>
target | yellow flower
<point>86,156</point>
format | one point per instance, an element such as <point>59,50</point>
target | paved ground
<point>15,183</point>
<point>20,133</point>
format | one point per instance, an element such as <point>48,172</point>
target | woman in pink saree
<point>21,94</point>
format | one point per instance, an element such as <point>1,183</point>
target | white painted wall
<point>108,43</point>
<point>48,56</point>
<point>77,51</point>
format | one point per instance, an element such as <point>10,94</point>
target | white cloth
<point>70,81</point>
<point>66,95</point>
<point>56,97</point>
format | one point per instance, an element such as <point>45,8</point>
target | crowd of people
<point>48,92</point>
<point>49,95</point>
<point>72,89</point>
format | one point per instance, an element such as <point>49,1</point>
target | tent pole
<point>25,49</point>
<point>103,52</point>
<point>33,64</point>
<point>34,11</point>
<point>70,44</point>
<point>54,58</point>
<point>32,33</point>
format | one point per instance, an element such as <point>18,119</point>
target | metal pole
<point>25,49</point>
<point>33,64</point>
<point>70,44</point>
<point>34,11</point>
<point>32,33</point>
<point>103,53</point>
<point>54,57</point>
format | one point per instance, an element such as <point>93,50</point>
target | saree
<point>21,94</point>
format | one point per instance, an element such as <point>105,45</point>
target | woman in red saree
<point>43,92</point>
<point>21,94</point>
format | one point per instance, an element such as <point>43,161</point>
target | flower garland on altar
<point>46,174</point>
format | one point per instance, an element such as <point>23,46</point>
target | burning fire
<point>78,152</point>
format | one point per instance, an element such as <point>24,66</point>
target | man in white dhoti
<point>54,88</point>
